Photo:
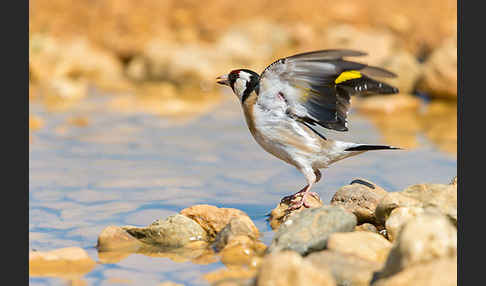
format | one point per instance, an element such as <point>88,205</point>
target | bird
<point>284,104</point>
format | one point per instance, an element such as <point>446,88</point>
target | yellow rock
<point>63,262</point>
<point>364,244</point>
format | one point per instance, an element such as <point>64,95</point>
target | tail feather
<point>365,147</point>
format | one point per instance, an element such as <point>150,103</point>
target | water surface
<point>132,168</point>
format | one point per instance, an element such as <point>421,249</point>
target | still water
<point>133,168</point>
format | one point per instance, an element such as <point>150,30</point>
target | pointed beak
<point>223,80</point>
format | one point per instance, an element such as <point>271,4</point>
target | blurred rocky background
<point>162,57</point>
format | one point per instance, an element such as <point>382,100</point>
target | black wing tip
<point>372,147</point>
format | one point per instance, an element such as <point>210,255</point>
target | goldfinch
<point>283,105</point>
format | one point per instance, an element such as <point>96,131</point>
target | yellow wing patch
<point>347,75</point>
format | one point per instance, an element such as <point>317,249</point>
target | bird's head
<point>242,81</point>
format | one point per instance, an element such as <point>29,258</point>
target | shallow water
<point>133,168</point>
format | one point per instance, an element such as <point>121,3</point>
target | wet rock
<point>361,198</point>
<point>280,214</point>
<point>364,244</point>
<point>197,252</point>
<point>388,104</point>
<point>175,231</point>
<point>398,217</point>
<point>440,272</point>
<point>240,251</point>
<point>213,219</point>
<point>427,196</point>
<point>237,275</point>
<point>366,227</point>
<point>308,230</point>
<point>237,226</point>
<point>440,71</point>
<point>60,262</point>
<point>114,238</point>
<point>423,239</point>
<point>289,268</point>
<point>346,269</point>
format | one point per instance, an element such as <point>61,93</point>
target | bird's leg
<point>312,178</point>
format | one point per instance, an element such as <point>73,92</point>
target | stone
<point>175,231</point>
<point>359,198</point>
<point>227,275</point>
<point>346,269</point>
<point>440,71</point>
<point>237,226</point>
<point>439,272</point>
<point>60,262</point>
<point>364,244</point>
<point>308,230</point>
<point>366,227</point>
<point>280,213</point>
<point>240,251</point>
<point>114,238</point>
<point>424,238</point>
<point>398,217</point>
<point>213,219</point>
<point>289,268</point>
<point>439,196</point>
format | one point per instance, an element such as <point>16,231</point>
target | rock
<point>366,227</point>
<point>289,268</point>
<point>439,272</point>
<point>422,239</point>
<point>60,262</point>
<point>237,226</point>
<point>308,230</point>
<point>398,217</point>
<point>196,252</point>
<point>241,250</point>
<point>388,104</point>
<point>213,219</point>
<point>427,196</point>
<point>280,214</point>
<point>406,67</point>
<point>345,268</point>
<point>175,231</point>
<point>114,238</point>
<point>440,71</point>
<point>359,198</point>
<point>228,275</point>
<point>364,244</point>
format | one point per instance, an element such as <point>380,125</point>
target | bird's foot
<point>299,199</point>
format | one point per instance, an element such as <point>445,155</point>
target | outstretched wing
<point>317,85</point>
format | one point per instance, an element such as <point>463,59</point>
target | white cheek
<point>240,86</point>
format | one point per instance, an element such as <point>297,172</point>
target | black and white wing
<point>317,85</point>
